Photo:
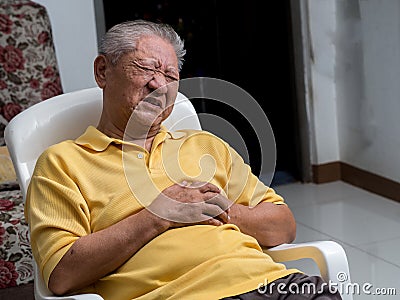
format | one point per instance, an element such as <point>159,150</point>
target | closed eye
<point>144,68</point>
<point>150,71</point>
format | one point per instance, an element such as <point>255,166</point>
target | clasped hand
<point>192,203</point>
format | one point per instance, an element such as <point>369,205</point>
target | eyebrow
<point>154,62</point>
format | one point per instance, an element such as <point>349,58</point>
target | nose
<point>159,83</point>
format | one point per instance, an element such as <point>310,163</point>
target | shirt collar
<point>96,140</point>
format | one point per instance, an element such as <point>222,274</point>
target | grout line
<point>351,246</point>
<point>379,241</point>
<point>340,241</point>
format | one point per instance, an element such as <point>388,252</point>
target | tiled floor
<point>365,224</point>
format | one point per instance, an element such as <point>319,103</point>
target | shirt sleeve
<point>55,210</point>
<point>244,187</point>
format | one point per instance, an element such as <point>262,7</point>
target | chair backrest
<point>67,116</point>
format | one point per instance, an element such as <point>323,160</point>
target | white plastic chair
<point>67,116</point>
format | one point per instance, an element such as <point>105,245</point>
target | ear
<point>100,65</point>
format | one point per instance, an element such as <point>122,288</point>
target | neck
<point>137,134</point>
<point>144,142</point>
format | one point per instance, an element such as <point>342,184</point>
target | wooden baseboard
<point>326,172</point>
<point>358,177</point>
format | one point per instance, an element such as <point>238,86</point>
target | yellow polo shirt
<point>83,186</point>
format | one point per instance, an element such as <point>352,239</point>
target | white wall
<point>322,21</point>
<point>355,72</point>
<point>74,33</point>
<point>371,127</point>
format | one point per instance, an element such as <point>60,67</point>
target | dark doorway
<point>246,43</point>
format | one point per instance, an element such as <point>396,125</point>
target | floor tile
<point>365,224</point>
<point>299,194</point>
<point>371,273</point>
<point>306,234</point>
<point>351,220</point>
<point>386,250</point>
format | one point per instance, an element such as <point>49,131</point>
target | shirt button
<point>140,155</point>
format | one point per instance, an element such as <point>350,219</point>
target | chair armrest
<point>42,292</point>
<point>329,256</point>
<point>74,297</point>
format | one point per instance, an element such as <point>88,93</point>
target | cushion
<point>16,261</point>
<point>8,178</point>
<point>28,66</point>
<point>16,265</point>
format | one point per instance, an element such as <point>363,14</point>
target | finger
<point>215,222</point>
<point>213,211</point>
<point>224,217</point>
<point>185,183</point>
<point>196,184</point>
<point>220,200</point>
<point>216,214</point>
<point>205,187</point>
<point>211,221</point>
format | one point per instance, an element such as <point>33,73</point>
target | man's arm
<point>95,255</point>
<point>257,210</point>
<point>271,224</point>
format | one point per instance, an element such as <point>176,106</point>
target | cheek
<point>171,95</point>
<point>131,94</point>
<point>130,77</point>
<point>167,112</point>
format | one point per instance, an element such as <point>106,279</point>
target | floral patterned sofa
<point>28,74</point>
<point>16,266</point>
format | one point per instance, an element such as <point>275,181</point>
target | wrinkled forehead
<point>156,49</point>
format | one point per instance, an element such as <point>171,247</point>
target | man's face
<point>152,70</point>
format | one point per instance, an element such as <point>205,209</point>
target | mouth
<point>153,101</point>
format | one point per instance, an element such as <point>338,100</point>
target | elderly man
<point>118,212</point>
